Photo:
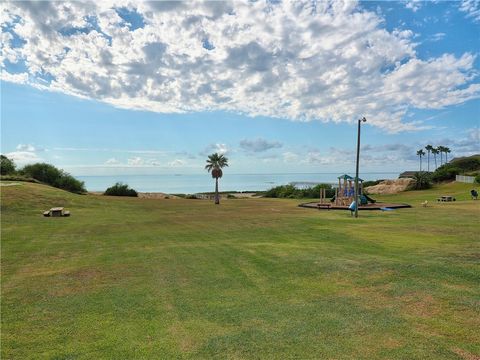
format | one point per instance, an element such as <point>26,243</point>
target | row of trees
<point>42,172</point>
<point>434,151</point>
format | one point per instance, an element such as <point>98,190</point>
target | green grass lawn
<point>129,278</point>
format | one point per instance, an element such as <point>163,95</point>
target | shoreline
<point>199,196</point>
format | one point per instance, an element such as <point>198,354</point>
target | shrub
<point>230,196</point>
<point>445,173</point>
<point>291,192</point>
<point>49,174</point>
<point>422,180</point>
<point>466,164</point>
<point>120,189</point>
<point>7,166</point>
<point>477,179</point>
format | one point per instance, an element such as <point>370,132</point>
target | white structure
<point>465,179</point>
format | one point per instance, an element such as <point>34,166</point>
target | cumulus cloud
<point>29,148</point>
<point>466,145</point>
<point>24,157</point>
<point>371,155</point>
<point>26,154</point>
<point>290,157</point>
<point>259,145</point>
<point>177,163</point>
<point>328,61</point>
<point>112,161</point>
<point>136,161</point>
<point>218,148</point>
<point>471,8</point>
<point>413,5</point>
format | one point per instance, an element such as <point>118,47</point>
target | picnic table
<point>56,212</point>
<point>446,198</point>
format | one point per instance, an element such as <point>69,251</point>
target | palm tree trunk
<point>435,157</point>
<point>217,197</point>
<point>428,161</point>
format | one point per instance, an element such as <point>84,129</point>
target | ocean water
<point>190,184</point>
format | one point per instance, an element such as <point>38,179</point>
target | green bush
<point>477,179</point>
<point>120,189</point>
<point>50,175</point>
<point>422,180</point>
<point>445,173</point>
<point>466,164</point>
<point>7,166</point>
<point>291,192</point>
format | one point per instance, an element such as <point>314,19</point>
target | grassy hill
<point>130,278</point>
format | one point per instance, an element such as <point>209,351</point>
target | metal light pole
<point>356,171</point>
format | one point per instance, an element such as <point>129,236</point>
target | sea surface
<point>190,184</point>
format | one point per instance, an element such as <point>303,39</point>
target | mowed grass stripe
<point>254,278</point>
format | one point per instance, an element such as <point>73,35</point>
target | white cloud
<point>24,157</point>
<point>177,163</point>
<point>112,161</point>
<point>437,37</point>
<point>218,148</point>
<point>26,154</point>
<point>332,62</point>
<point>413,5</point>
<point>471,8</point>
<point>29,147</point>
<point>290,157</point>
<point>136,161</point>
<point>259,145</point>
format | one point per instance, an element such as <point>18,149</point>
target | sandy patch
<point>156,195</point>
<point>391,186</point>
<point>9,184</point>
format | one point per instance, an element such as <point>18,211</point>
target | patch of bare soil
<point>391,186</point>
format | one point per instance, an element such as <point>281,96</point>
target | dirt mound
<point>391,186</point>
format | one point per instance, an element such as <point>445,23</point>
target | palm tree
<point>435,152</point>
<point>446,150</point>
<point>441,150</point>
<point>428,148</point>
<point>215,163</point>
<point>420,153</point>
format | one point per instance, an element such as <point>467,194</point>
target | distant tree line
<point>42,172</point>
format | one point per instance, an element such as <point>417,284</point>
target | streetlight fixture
<point>356,171</point>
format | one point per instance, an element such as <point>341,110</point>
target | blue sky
<point>152,88</point>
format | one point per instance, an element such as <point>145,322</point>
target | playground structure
<point>344,196</point>
<point>345,193</point>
